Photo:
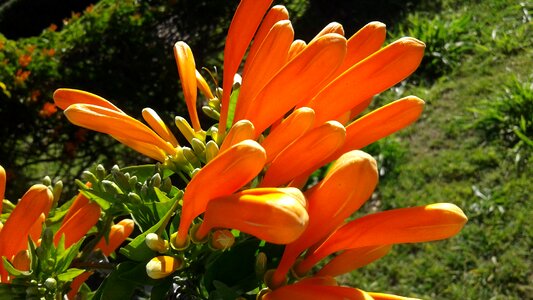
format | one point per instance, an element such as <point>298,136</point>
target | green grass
<point>445,158</point>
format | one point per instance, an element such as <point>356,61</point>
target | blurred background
<point>472,146</point>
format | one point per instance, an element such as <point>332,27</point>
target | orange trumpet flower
<point>226,173</point>
<point>352,259</point>
<point>370,76</point>
<point>243,26</point>
<point>117,235</point>
<point>187,73</point>
<point>78,224</point>
<point>276,215</point>
<point>349,182</point>
<point>305,155</point>
<point>240,131</point>
<point>14,234</point>
<point>406,225</point>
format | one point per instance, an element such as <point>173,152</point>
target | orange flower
<point>48,110</point>
<point>24,60</point>
<point>80,221</point>
<point>224,175</point>
<point>21,76</point>
<point>2,186</point>
<point>14,234</point>
<point>117,235</point>
<point>76,284</point>
<point>276,215</point>
<point>52,27</point>
<point>187,72</point>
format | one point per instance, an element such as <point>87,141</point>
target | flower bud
<point>22,261</point>
<point>100,172</point>
<point>222,240</point>
<point>211,112</point>
<point>162,266</point>
<point>156,243</point>
<point>260,264</point>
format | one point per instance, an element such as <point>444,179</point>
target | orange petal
<point>276,215</point>
<point>240,131</point>
<point>2,186</point>
<point>363,43</point>
<point>297,80</point>
<point>332,27</point>
<point>243,26</point>
<point>79,202</point>
<point>350,260</point>
<point>296,47</point>
<point>37,228</point>
<point>78,225</point>
<point>406,225</point>
<point>270,57</point>
<point>305,154</point>
<point>162,266</point>
<point>157,124</point>
<point>371,76</point>
<point>116,124</point>
<point>14,235</point>
<point>380,296</point>
<point>222,176</point>
<point>316,292</point>
<point>147,149</point>
<point>349,182</point>
<point>275,14</point>
<point>290,129</point>
<point>359,108</point>
<point>203,86</point>
<point>187,73</point>
<point>117,235</point>
<point>76,284</point>
<point>381,123</point>
<point>63,98</point>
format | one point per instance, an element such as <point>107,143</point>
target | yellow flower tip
<point>158,125</point>
<point>22,261</point>
<point>221,239</point>
<point>411,42</point>
<point>163,266</point>
<point>450,212</point>
<point>156,243</point>
<point>203,86</point>
<point>240,131</point>
<point>63,98</point>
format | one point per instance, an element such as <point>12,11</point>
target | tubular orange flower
<point>245,22</point>
<point>363,43</point>
<point>305,154</point>
<point>290,129</point>
<point>274,15</point>
<point>332,27</point>
<point>14,235</point>
<point>406,225</point>
<point>270,57</point>
<point>276,215</point>
<point>76,284</point>
<point>352,259</point>
<point>371,76</point>
<point>117,235</point>
<point>348,184</point>
<point>297,80</point>
<point>153,119</point>
<point>187,72</point>
<point>203,86</point>
<point>316,290</point>
<point>225,174</point>
<point>78,225</point>
<point>240,131</point>
<point>380,296</point>
<point>381,123</point>
<point>64,98</point>
<point>297,46</point>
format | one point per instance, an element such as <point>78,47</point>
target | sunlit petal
<point>305,154</point>
<point>78,225</point>
<point>352,259</point>
<point>117,235</point>
<point>240,131</point>
<point>157,124</point>
<point>63,98</point>
<point>297,80</point>
<point>222,176</point>
<point>297,46</point>
<point>371,76</point>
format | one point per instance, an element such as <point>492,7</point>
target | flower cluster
<point>293,108</point>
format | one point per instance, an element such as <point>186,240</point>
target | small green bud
<point>134,198</point>
<point>211,150</point>
<point>111,187</point>
<point>211,113</point>
<point>50,283</point>
<point>155,181</point>
<point>100,172</point>
<point>167,185</point>
<point>47,181</point>
<point>58,188</point>
<point>89,176</point>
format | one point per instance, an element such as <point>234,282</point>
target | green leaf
<point>12,270</point>
<point>234,267</point>
<point>70,274</point>
<point>104,204</point>
<point>231,107</point>
<point>65,258</point>
<point>114,287</point>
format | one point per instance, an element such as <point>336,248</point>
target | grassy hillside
<point>472,147</point>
